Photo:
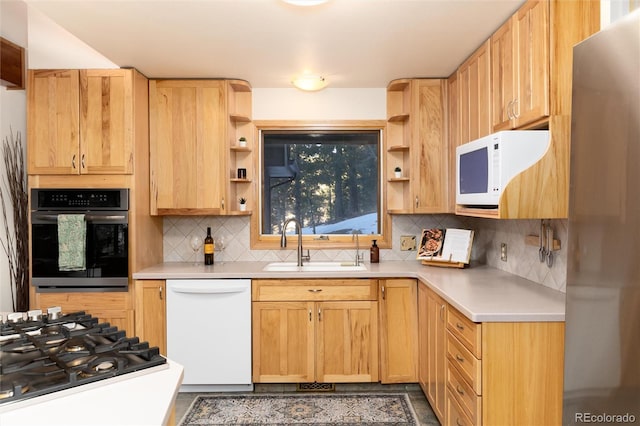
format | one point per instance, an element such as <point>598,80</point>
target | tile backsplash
<point>522,260</point>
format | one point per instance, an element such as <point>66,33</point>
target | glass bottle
<point>208,248</point>
<point>374,253</point>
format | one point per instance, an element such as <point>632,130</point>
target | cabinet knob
<point>459,326</point>
<point>459,358</point>
<point>314,290</point>
<point>319,315</point>
<point>160,290</point>
<point>460,390</point>
<point>384,296</point>
<point>73,161</point>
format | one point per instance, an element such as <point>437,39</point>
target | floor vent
<point>315,387</point>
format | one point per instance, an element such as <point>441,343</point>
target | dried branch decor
<point>15,243</point>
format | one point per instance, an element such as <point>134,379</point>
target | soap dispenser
<point>374,253</point>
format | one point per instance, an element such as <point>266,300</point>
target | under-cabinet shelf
<point>398,118</point>
<point>398,148</point>
<point>239,213</point>
<point>237,118</point>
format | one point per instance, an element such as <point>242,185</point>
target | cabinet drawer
<point>464,394</point>
<point>312,290</point>
<point>455,414</point>
<point>469,367</point>
<point>467,331</point>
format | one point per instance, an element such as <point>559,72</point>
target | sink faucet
<point>358,258</point>
<point>283,239</point>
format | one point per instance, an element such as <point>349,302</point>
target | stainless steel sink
<point>313,267</point>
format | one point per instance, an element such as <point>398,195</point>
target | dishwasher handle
<point>207,290</point>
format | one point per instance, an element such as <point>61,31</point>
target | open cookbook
<point>445,247</point>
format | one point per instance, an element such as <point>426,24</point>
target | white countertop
<point>145,398</point>
<point>481,293</point>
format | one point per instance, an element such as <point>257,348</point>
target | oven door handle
<point>87,218</point>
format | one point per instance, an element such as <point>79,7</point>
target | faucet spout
<point>358,258</point>
<point>283,238</point>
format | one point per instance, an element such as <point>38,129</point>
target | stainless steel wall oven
<point>93,256</point>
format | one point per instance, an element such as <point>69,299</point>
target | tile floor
<point>418,400</point>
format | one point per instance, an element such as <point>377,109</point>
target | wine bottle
<point>208,248</point>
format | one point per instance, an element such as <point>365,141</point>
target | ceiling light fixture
<point>305,2</point>
<point>310,83</point>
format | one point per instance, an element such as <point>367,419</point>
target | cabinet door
<point>112,307</point>
<point>475,94</point>
<point>53,99</point>
<point>429,147</point>
<point>106,121</point>
<point>150,313</point>
<point>532,101</point>
<point>283,342</point>
<point>454,105</point>
<point>347,341</point>
<point>503,71</point>
<point>436,352</point>
<point>399,332</point>
<point>188,150</point>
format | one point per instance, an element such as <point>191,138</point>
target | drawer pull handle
<point>459,358</point>
<point>459,326</point>
<point>315,290</point>
<point>460,390</point>
<point>458,422</point>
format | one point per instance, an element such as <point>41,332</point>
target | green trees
<point>330,181</point>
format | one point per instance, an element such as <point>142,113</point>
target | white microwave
<point>485,166</point>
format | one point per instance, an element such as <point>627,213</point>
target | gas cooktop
<point>41,353</point>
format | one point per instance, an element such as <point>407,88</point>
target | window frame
<point>272,242</point>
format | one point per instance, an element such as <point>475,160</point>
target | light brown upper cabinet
<point>188,151</point>
<point>474,88</point>
<point>531,79</point>
<point>454,135</point>
<point>520,67</point>
<point>81,121</point>
<point>417,144</point>
<point>194,129</point>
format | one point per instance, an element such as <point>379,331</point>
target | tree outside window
<point>328,180</point>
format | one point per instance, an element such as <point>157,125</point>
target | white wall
<point>13,115</point>
<point>51,46</point>
<point>328,104</point>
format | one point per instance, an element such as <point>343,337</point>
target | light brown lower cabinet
<point>151,313</point>
<point>490,373</point>
<point>432,329</point>
<point>398,303</point>
<point>313,332</point>
<point>503,373</point>
<point>112,307</point>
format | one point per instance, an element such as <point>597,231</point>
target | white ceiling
<point>353,43</point>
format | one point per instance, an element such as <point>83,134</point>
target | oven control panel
<point>72,199</point>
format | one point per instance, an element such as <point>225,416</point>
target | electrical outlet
<point>407,242</point>
<point>503,252</point>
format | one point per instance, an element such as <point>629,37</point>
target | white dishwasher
<point>209,333</point>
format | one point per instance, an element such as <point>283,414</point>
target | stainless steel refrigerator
<point>602,346</point>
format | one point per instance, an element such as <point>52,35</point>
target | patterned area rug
<point>296,409</point>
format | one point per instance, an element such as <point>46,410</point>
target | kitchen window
<point>329,178</point>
